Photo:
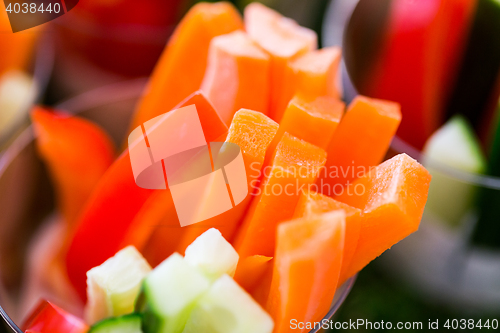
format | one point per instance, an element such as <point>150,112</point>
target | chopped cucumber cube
<point>227,308</point>
<point>170,292</point>
<point>130,323</point>
<point>212,255</point>
<point>454,145</point>
<point>112,287</point>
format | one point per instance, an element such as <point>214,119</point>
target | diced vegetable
<point>251,270</point>
<point>317,73</point>
<point>237,75</point>
<point>454,145</point>
<point>48,318</point>
<point>312,203</point>
<point>170,292</point>
<point>305,119</point>
<point>306,269</point>
<point>392,197</point>
<point>181,68</point>
<point>368,127</point>
<point>294,167</point>
<point>227,308</point>
<point>115,202</point>
<point>284,40</point>
<point>130,323</point>
<point>212,255</point>
<point>112,287</point>
<point>253,132</point>
<point>77,153</point>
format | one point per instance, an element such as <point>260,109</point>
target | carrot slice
<point>114,203</point>
<point>311,203</point>
<point>252,132</point>
<point>359,143</point>
<point>392,197</point>
<point>65,143</point>
<point>317,73</point>
<point>294,167</point>
<point>237,75</point>
<point>306,269</point>
<point>284,40</point>
<point>251,270</point>
<point>181,68</point>
<point>305,119</point>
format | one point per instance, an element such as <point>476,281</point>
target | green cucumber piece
<point>112,287</point>
<point>227,308</point>
<point>130,323</point>
<point>169,293</point>
<point>212,255</point>
<point>454,145</point>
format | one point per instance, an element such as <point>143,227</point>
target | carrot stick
<point>251,270</point>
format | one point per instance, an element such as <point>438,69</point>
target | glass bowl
<point>26,195</point>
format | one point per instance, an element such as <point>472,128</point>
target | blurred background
<point>440,59</point>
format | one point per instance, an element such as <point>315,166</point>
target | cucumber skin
<point>121,324</point>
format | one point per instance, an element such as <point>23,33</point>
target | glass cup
<point>26,195</point>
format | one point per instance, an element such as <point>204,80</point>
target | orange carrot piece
<point>237,75</point>
<point>77,153</point>
<point>285,41</point>
<point>306,269</point>
<point>359,143</point>
<point>312,121</point>
<point>252,132</point>
<point>251,270</point>
<point>392,197</point>
<point>294,167</point>
<point>260,292</point>
<point>181,68</point>
<point>317,73</point>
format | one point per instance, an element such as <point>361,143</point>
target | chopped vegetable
<point>130,323</point>
<point>227,308</point>
<point>285,41</point>
<point>368,127</point>
<point>454,145</point>
<point>77,153</point>
<point>295,166</point>
<point>251,270</point>
<point>170,292</point>
<point>212,255</point>
<point>392,197</point>
<point>48,318</point>
<point>181,68</point>
<point>312,203</point>
<point>306,269</point>
<point>112,287</point>
<point>237,75</point>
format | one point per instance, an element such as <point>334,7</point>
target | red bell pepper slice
<point>48,318</point>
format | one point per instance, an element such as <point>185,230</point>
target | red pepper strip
<point>116,201</point>
<point>48,318</point>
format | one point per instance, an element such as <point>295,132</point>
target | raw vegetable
<point>112,287</point>
<point>115,202</point>
<point>305,119</point>
<point>312,203</point>
<point>227,308</point>
<point>392,197</point>
<point>48,318</point>
<point>181,68</point>
<point>170,292</point>
<point>454,145</point>
<point>368,126</point>
<point>285,41</point>
<point>77,153</point>
<point>253,132</point>
<point>130,323</point>
<point>306,269</point>
<point>212,255</point>
<point>251,270</point>
<point>295,165</point>
<point>237,75</point>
